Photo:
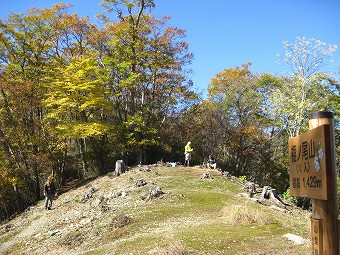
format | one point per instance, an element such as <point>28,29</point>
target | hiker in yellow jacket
<point>187,154</point>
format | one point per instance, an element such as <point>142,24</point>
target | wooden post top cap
<point>318,115</point>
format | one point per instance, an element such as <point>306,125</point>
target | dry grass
<point>193,217</point>
<point>245,214</point>
<point>177,249</point>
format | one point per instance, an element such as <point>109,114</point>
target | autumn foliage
<point>75,97</point>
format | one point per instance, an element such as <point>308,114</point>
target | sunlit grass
<point>195,216</point>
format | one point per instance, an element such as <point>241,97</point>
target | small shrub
<point>110,174</point>
<point>243,178</point>
<point>286,196</point>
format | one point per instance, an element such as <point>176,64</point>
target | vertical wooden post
<point>326,210</point>
<point>338,236</point>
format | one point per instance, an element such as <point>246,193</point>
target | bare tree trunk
<point>37,181</point>
<point>5,207</point>
<point>82,149</point>
<point>8,150</point>
<point>18,198</point>
<point>61,167</point>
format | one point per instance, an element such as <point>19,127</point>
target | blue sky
<point>227,33</point>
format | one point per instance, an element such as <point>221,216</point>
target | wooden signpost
<point>313,175</point>
<point>309,153</point>
<point>317,236</point>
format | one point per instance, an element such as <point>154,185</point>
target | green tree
<point>235,100</point>
<point>77,101</point>
<point>147,63</point>
<point>75,97</point>
<point>25,47</point>
<point>31,44</point>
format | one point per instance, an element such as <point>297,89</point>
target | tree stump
<point>155,191</point>
<point>206,176</point>
<point>250,188</point>
<point>89,194</point>
<point>269,193</point>
<point>226,174</point>
<point>120,168</point>
<point>140,182</point>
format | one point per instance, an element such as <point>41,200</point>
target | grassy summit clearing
<point>194,216</point>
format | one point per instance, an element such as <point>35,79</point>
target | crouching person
<point>211,162</point>
<point>49,191</point>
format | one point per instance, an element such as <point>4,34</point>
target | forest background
<point>75,97</point>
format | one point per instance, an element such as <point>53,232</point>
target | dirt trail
<point>26,226</point>
<point>36,225</point>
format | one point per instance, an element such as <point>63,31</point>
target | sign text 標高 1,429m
<point>308,163</point>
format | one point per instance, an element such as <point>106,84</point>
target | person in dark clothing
<point>49,191</point>
<point>211,162</point>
